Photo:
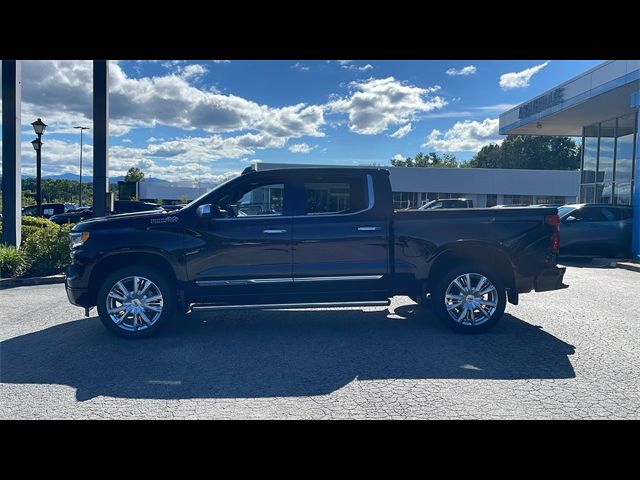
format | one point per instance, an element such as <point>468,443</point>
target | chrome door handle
<point>274,231</point>
<point>368,229</point>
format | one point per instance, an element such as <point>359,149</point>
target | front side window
<point>255,201</point>
<point>325,196</point>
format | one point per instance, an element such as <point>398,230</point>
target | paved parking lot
<point>567,354</point>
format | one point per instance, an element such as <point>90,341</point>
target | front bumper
<point>77,295</point>
<point>550,279</point>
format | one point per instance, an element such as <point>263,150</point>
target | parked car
<point>119,207</point>
<point>48,209</point>
<point>72,216</point>
<point>140,269</point>
<point>447,203</point>
<point>132,206</point>
<point>596,229</point>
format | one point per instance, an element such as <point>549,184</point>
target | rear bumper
<point>550,279</point>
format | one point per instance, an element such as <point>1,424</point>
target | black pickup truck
<point>312,237</point>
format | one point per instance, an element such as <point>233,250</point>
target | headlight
<point>77,239</point>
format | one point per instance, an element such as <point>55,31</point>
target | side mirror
<point>208,211</point>
<point>570,219</point>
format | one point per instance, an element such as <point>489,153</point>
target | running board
<point>270,306</point>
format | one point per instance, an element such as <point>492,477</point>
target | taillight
<point>554,221</point>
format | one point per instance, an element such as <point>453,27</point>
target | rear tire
<point>469,299</point>
<point>136,301</point>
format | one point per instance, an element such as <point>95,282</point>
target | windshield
<point>562,211</point>
<point>196,200</point>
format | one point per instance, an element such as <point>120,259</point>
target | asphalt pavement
<point>572,353</point>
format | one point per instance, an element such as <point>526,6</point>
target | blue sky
<point>180,119</point>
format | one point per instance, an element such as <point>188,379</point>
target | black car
<point>595,229</point>
<point>48,209</point>
<point>119,207</point>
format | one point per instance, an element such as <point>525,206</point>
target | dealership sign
<point>542,103</point>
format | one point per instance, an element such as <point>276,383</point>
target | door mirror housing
<point>208,211</point>
<point>570,219</point>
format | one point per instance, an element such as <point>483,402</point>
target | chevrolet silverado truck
<point>305,238</point>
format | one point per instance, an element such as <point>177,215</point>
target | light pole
<point>80,193</point>
<point>39,127</point>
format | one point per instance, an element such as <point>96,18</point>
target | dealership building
<point>601,106</point>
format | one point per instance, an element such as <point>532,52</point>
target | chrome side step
<point>270,306</point>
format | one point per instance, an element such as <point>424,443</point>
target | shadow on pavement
<point>277,353</point>
<point>586,261</point>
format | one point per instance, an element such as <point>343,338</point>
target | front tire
<point>469,299</point>
<point>136,302</point>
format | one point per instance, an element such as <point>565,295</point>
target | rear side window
<point>590,214</point>
<point>326,196</point>
<point>622,213</point>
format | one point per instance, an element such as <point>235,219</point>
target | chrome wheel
<point>471,299</point>
<point>134,303</point>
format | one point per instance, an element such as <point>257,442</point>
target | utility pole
<point>82,129</point>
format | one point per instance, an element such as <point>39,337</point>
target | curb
<point>25,282</point>
<point>633,266</point>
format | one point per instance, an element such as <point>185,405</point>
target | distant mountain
<point>89,178</point>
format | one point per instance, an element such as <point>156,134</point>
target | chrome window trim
<point>370,205</point>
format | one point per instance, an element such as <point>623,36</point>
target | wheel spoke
<point>120,298</point>
<point>145,319</point>
<point>155,298</point>
<point>117,309</point>
<point>451,296</point>
<point>452,306</point>
<point>123,289</point>
<point>488,303</point>
<point>147,284</point>
<point>481,283</point>
<point>462,315</point>
<point>467,278</point>
<point>473,316</point>
<point>489,289</point>
<point>458,284</point>
<point>154,308</point>
<point>484,314</point>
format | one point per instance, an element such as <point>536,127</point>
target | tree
<point>430,160</point>
<point>134,174</point>
<point>536,153</point>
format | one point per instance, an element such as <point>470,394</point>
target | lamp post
<point>39,127</point>
<point>80,193</point>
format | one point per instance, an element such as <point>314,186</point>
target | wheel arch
<point>117,260</point>
<point>483,255</point>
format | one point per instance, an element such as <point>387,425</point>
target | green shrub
<point>37,222</point>
<point>30,225</point>
<point>13,263</point>
<point>48,249</point>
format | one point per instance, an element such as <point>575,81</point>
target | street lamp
<point>80,194</point>
<point>39,127</point>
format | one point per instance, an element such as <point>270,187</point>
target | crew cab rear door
<point>340,241</point>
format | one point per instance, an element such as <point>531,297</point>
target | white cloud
<point>62,91</point>
<point>468,70</point>
<point>301,148</point>
<point>520,79</point>
<point>376,104</point>
<point>402,131</point>
<point>194,70</point>
<point>398,156</point>
<point>358,68</point>
<point>221,61</point>
<point>465,136</point>
<point>127,140</point>
<point>300,67</point>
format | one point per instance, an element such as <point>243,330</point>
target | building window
<point>518,199</point>
<point>404,200</point>
<point>492,200</point>
<point>607,161</point>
